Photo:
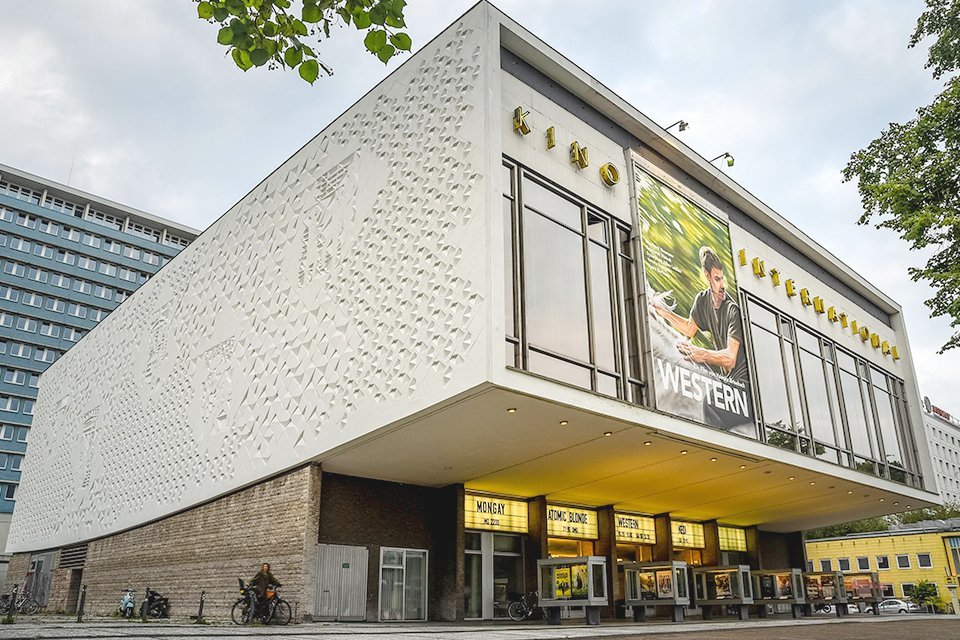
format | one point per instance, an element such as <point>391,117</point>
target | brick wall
<point>207,548</point>
<point>17,570</point>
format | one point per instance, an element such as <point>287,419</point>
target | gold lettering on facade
<point>818,305</point>
<point>854,327</point>
<point>864,333</point>
<point>520,122</point>
<point>742,254</point>
<point>578,155</point>
<point>759,269</point>
<point>551,137</point>
<point>895,353</point>
<point>874,340</point>
<point>843,320</point>
<point>609,174</point>
<point>885,348</point>
<point>805,297</point>
<point>791,290</point>
<point>775,276</point>
<point>832,315</point>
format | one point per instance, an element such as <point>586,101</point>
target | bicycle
<point>525,607</point>
<point>19,602</point>
<point>250,608</point>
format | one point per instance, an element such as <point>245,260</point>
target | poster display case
<point>573,582</point>
<point>656,584</point>
<point>825,587</point>
<point>729,587</point>
<point>779,587</point>
<point>862,588</point>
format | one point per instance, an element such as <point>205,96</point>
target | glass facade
<point>820,400</point>
<point>570,288</point>
<point>64,266</point>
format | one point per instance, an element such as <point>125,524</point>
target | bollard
<point>143,605</point>
<point>200,610</point>
<point>83,597</point>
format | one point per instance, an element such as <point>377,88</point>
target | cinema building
<point>489,316</point>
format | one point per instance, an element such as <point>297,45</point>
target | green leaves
<point>309,71</point>
<point>277,35</point>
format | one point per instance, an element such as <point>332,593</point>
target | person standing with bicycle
<point>263,579</point>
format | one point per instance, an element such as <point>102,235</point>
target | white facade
<point>349,310</point>
<point>943,433</point>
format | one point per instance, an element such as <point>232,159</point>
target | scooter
<point>155,605</point>
<point>128,603</point>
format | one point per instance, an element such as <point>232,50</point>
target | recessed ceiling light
<point>812,482</point>
<point>792,478</point>
<point>908,506</point>
<point>743,466</point>
<point>647,443</point>
<point>512,410</point>
<point>683,452</point>
<point>896,504</point>
<point>608,433</point>
<point>563,423</point>
<point>713,459</point>
<point>882,499</point>
<point>849,493</point>
<point>766,473</point>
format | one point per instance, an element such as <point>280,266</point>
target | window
<point>50,228</point>
<point>72,335</point>
<point>144,232</point>
<point>91,240</point>
<point>22,434</point>
<point>131,252</point>
<point>887,590</point>
<point>76,310</point>
<point>60,280</point>
<point>567,311</point>
<point>108,269</point>
<point>27,324</point>
<point>59,205</point>
<point>112,246</point>
<point>105,220</point>
<point>825,565</point>
<point>403,584</point>
<point>7,215</point>
<point>907,588</point>
<point>3,460</point>
<point>45,355</point>
<point>82,286</point>
<point>71,234</point>
<point>19,350</point>
<point>9,293</point>
<point>128,274</point>
<point>97,314</point>
<point>55,304</point>
<point>6,320</point>
<point>9,403</point>
<point>37,275</point>
<point>44,251</point>
<point>843,564</point>
<point>924,561</point>
<point>903,561</point>
<point>7,432</point>
<point>14,376</point>
<point>15,462</point>
<point>120,296</point>
<point>32,299</point>
<point>103,292</point>
<point>883,563</point>
<point>27,221</point>
<point>34,380</point>
<point>19,244</point>
<point>14,269</point>
<point>9,490</point>
<point>151,258</point>
<point>87,263</point>
<point>27,406</point>
<point>66,257</point>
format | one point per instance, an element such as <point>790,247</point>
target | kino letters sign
<point>570,522</point>
<point>688,534</point>
<point>635,529</point>
<point>494,514</point>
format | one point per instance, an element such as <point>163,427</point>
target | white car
<point>898,606</point>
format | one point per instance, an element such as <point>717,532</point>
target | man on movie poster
<point>700,365</point>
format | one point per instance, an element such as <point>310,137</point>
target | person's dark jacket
<point>261,580</point>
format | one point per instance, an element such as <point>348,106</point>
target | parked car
<point>899,606</point>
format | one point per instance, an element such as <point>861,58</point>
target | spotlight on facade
<point>684,125</point>
<point>726,155</point>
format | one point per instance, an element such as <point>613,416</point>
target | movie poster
<point>561,583</point>
<point>696,329</point>
<point>785,586</point>
<point>665,584</point>
<point>578,580</point>
<point>648,587</point>
<point>768,589</point>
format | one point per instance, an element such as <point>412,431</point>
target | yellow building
<point>902,557</point>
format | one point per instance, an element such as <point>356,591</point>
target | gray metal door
<point>341,582</point>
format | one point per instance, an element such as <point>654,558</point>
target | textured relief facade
<point>349,281</point>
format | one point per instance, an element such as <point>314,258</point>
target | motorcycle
<point>127,604</point>
<point>155,605</point>
<point>822,607</point>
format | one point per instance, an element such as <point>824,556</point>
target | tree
<point>880,523</point>
<point>909,177</point>
<point>925,593</point>
<point>271,33</point>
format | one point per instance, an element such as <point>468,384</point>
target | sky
<point>136,102</point>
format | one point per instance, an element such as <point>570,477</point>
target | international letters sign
<point>696,329</point>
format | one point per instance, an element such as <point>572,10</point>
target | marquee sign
<point>494,514</point>
<point>635,529</point>
<point>687,534</point>
<point>571,522</point>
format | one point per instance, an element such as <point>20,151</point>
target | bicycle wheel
<point>29,607</point>
<point>281,613</point>
<point>517,611</point>
<point>240,613</point>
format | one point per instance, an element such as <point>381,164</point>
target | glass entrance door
<point>403,584</point>
<point>493,573</point>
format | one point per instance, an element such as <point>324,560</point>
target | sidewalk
<point>920,627</point>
